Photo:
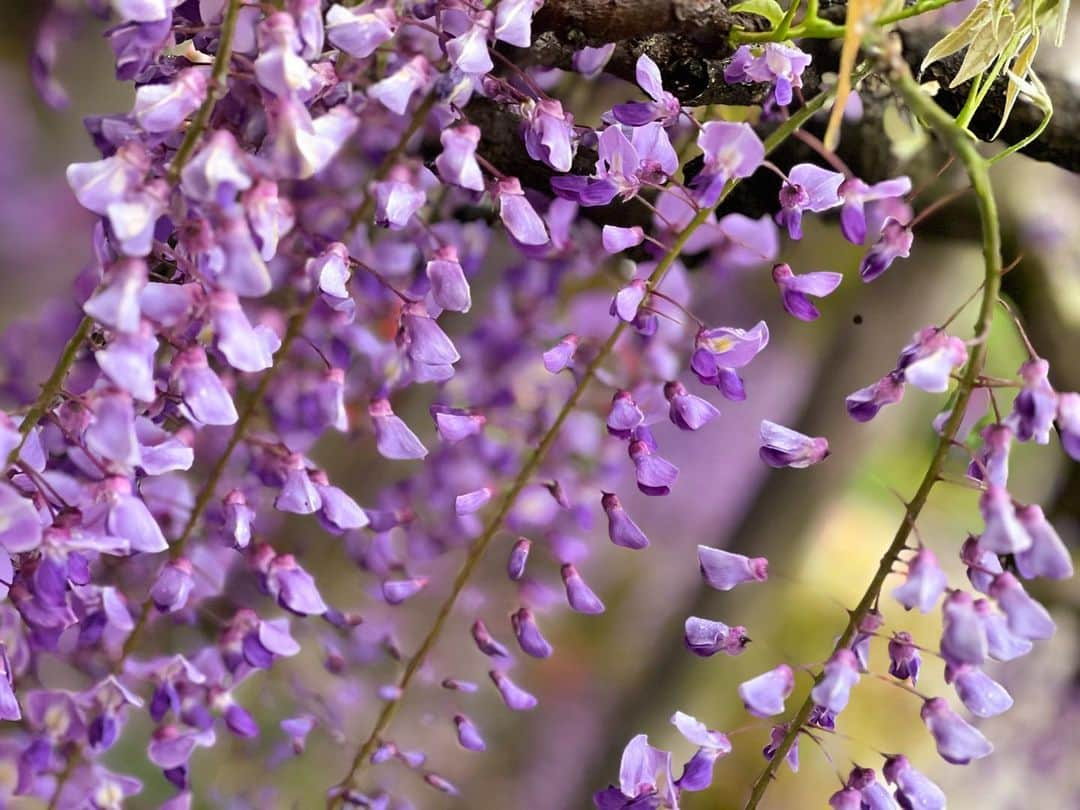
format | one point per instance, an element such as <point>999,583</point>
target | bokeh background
<point>823,530</point>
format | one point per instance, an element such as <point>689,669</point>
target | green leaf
<point>961,36</point>
<point>769,9</point>
<point>1017,79</point>
<point>989,44</point>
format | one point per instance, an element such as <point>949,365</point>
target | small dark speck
<point>857,320</point>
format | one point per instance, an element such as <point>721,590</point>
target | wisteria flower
<point>664,107</point>
<point>776,63</point>
<point>807,188</point>
<point>784,447</point>
<point>796,289</point>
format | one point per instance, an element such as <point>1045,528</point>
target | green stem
<point>785,24</point>
<point>219,75</point>
<point>977,169</point>
<point>525,475</point>
<point>52,386</point>
<point>813,27</point>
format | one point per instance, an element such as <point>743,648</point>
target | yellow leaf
<point>860,14</point>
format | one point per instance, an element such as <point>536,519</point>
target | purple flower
<point>624,415</point>
<point>469,51</point>
<point>1002,643</point>
<point>396,90</point>
<point>664,106</point>
<point>654,474</point>
<point>457,162</point>
<point>913,790</point>
<point>687,411</point>
<point>621,528</point>
<point>395,203</point>
<point>924,584</point>
<point>864,404</point>
<point>893,243</point>
<point>617,239</point>
<point>1004,533</point>
<point>644,772</point>
<point>963,640</point>
<point>549,133</point>
<point>517,214</point>
<point>723,570</point>
<point>204,395</point>
<point>991,462</point>
<point>104,182</point>
<point>359,31</point>
<point>396,591</point>
<point>163,107</point>
<point>173,585</point>
<point>1047,555</point>
<point>513,21</point>
<point>218,171</point>
<point>470,502</point>
<point>578,593</point>
<point>981,694</point>
<point>846,799</point>
<point>1035,406</point>
<point>246,348</point>
<point>764,695</point>
<point>455,425</point>
<point>776,737</point>
<point>833,690</point>
<point>449,287</point>
<point>485,642</point>
<point>704,637</point>
<point>561,354</point>
<point>697,773</point>
<point>298,494</point>
<point>515,698</point>
<point>783,447</point>
<point>795,289</point>
<point>468,734</point>
<point>519,556</point>
<point>1026,617</point>
<point>393,439</point>
<point>929,360</point>
<point>527,632</point>
<point>776,63</point>
<point>627,300</point>
<point>128,518</point>
<point>807,188</point>
<point>20,525</point>
<point>1068,420</point>
<point>293,587</point>
<point>718,351</point>
<point>731,151</point>
<point>958,742</point>
<point>116,302</point>
<point>623,165</point>
<point>904,658</point>
<point>855,194</point>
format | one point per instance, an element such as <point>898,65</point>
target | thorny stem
<point>977,169</point>
<point>476,551</point>
<point>218,77</point>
